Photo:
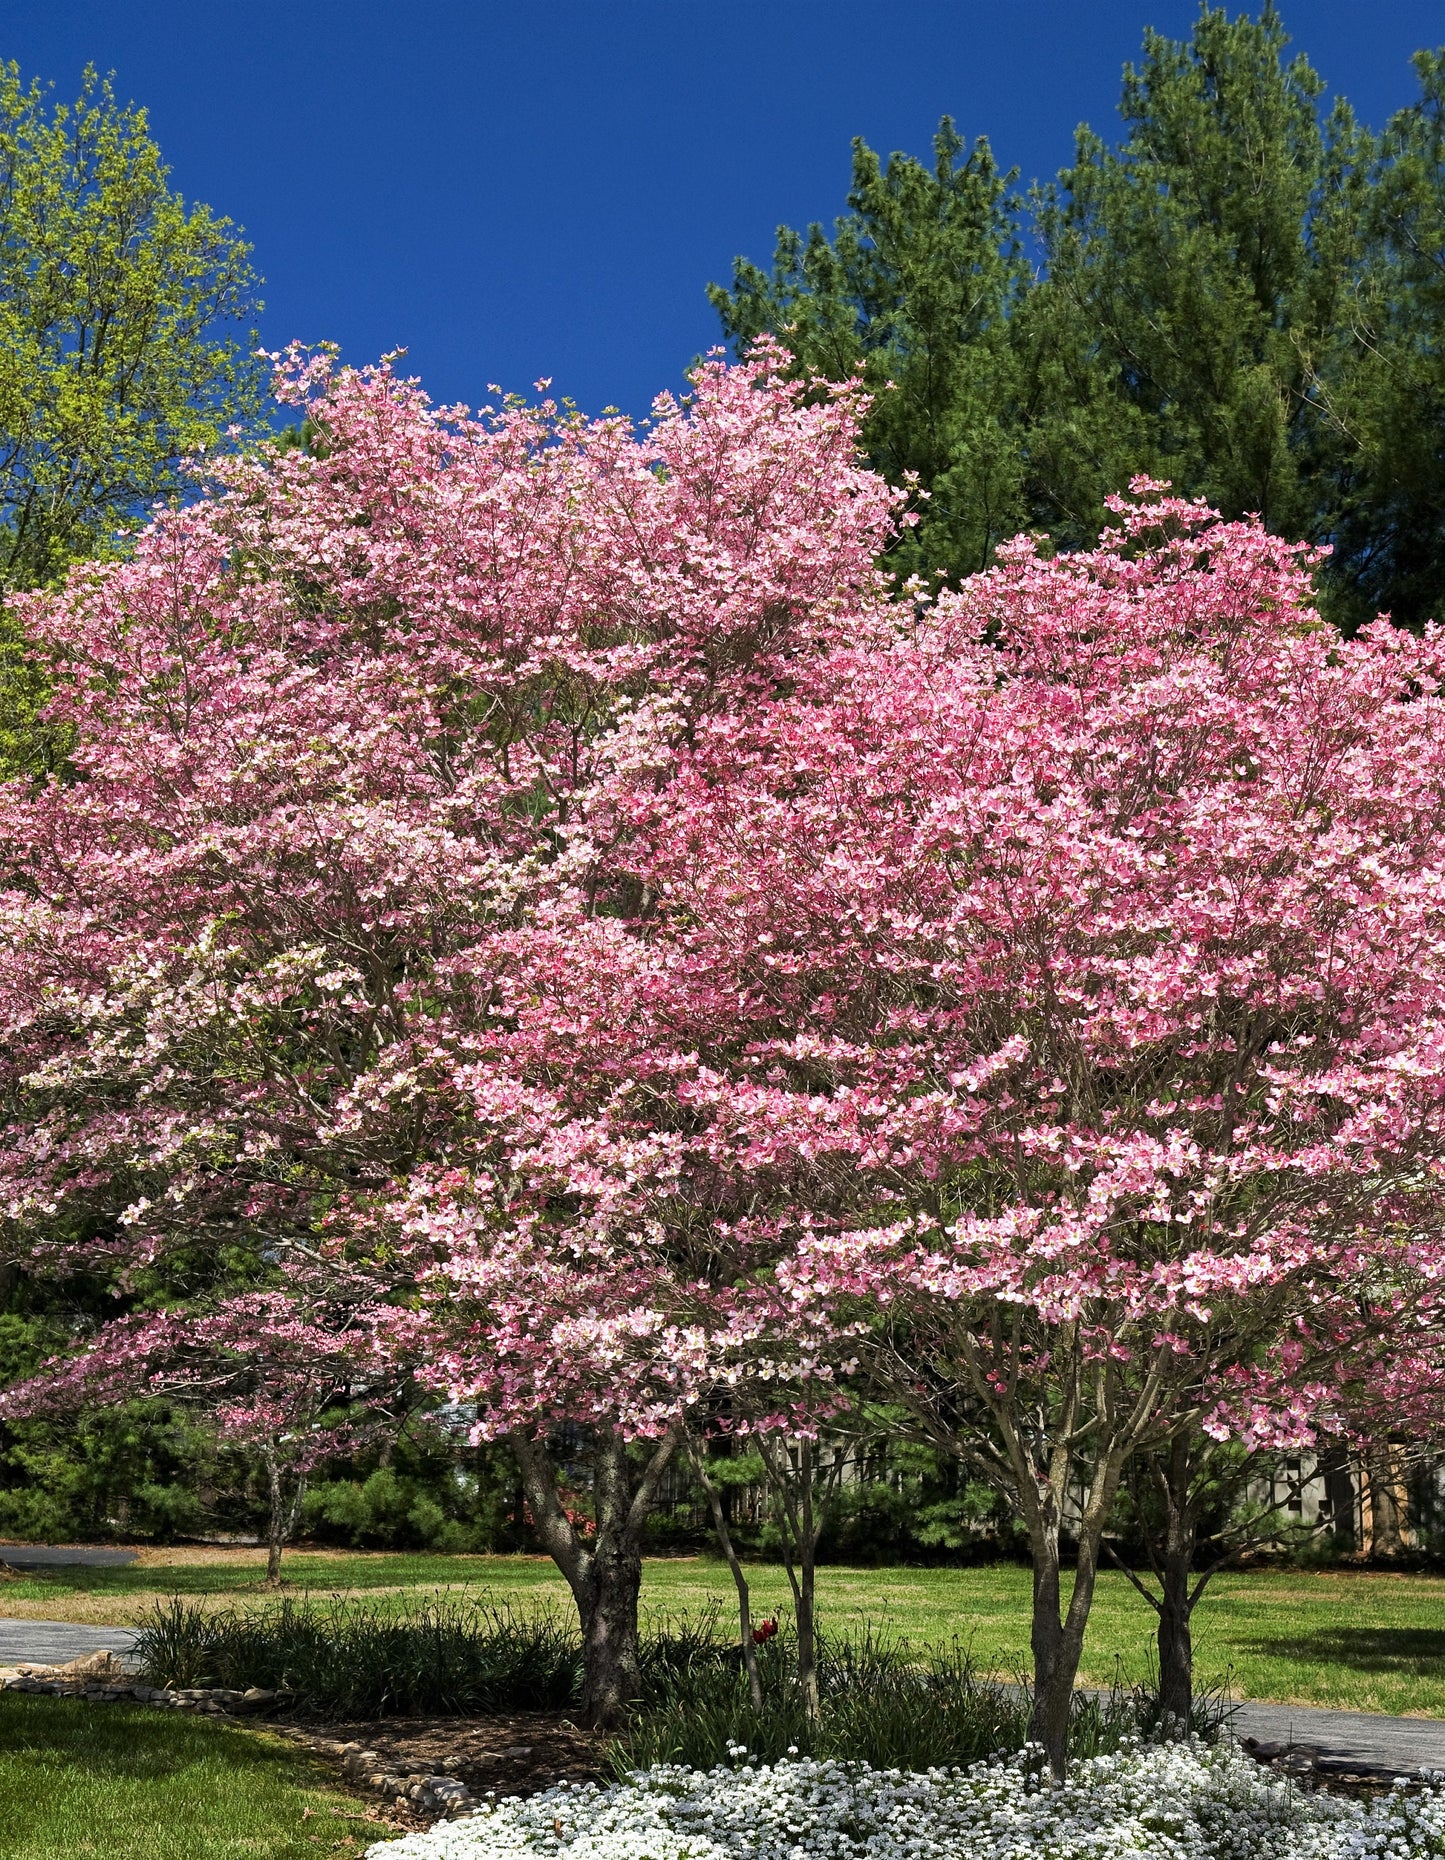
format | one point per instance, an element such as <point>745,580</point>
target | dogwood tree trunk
<point>283,1514</point>
<point>1176,1583</point>
<point>603,1571</point>
<point>1043,1469</point>
<point>801,1503</point>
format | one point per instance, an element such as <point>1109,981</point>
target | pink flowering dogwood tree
<point>1036,1005</point>
<point>271,1380</point>
<point>332,727</point>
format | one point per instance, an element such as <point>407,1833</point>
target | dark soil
<point>513,1753</point>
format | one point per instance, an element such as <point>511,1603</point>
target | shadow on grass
<point>1412,1651</point>
<point>117,1740</point>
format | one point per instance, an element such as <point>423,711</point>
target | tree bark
<point>1055,1662</point>
<point>603,1572</point>
<point>282,1521</point>
<point>800,1522</point>
<point>1056,1635</point>
<point>611,1663</point>
<point>1176,1566</point>
<point>805,1597</point>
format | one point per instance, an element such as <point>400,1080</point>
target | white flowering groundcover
<point>1172,1801</point>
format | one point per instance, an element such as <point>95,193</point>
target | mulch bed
<point>514,1753</point>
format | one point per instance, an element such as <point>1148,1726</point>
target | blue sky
<point>512,191</point>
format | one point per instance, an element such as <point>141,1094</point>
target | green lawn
<point>1369,1642</point>
<point>127,1783</point>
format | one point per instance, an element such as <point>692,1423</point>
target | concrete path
<point>63,1556</point>
<point>52,1643</point>
<point>1405,1744</point>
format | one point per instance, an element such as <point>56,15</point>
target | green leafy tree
<point>116,298</point>
<point>140,1468</point>
<point>113,296</point>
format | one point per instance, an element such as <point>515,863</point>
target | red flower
<point>765,1630</point>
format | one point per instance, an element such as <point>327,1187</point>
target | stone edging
<point>446,1796</point>
<point>432,1795</point>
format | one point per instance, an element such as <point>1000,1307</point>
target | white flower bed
<point>1172,1802</point>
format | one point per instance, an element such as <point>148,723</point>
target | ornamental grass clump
<point>357,1659</point>
<point>1168,1801</point>
<point>881,1702</point>
<point>331,1656</point>
<point>875,1706</point>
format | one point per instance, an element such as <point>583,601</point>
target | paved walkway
<point>63,1556</point>
<point>52,1643</point>
<point>1405,1744</point>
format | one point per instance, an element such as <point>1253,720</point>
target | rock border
<point>446,1797</point>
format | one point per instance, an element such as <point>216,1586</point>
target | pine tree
<point>1196,276</point>
<point>1389,404</point>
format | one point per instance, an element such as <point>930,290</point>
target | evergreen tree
<point>1195,278</point>
<point>1242,297</point>
<point>1389,402</point>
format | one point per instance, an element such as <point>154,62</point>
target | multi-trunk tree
<point>1033,1010</point>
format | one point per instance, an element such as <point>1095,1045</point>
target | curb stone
<point>443,1796</point>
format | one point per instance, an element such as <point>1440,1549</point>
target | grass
<point>1357,1640</point>
<point>129,1783</point>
